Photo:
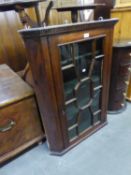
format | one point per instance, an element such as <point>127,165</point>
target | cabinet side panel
<point>39,60</point>
<point>107,71</point>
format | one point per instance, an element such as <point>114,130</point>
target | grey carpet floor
<point>107,152</point>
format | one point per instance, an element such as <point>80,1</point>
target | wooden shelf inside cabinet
<point>121,67</point>
<point>71,70</point>
<point>74,9</point>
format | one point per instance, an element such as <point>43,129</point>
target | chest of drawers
<point>20,125</point>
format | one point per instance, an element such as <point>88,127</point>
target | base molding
<point>55,153</point>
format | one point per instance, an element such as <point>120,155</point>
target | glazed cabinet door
<point>78,75</point>
<point>81,67</point>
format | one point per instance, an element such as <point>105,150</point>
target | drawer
<point>19,124</point>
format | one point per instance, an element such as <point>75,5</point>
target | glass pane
<point>85,121</point>
<point>83,94</point>
<point>71,112</point>
<point>96,105</point>
<point>83,57</point>
<point>70,81</point>
<point>99,46</point>
<point>72,133</point>
<point>84,48</point>
<point>66,55</point>
<point>97,118</point>
<point>97,72</point>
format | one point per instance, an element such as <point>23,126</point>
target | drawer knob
<point>8,126</point>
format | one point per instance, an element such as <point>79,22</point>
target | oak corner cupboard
<point>71,70</point>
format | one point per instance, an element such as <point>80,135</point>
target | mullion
<point>89,75</point>
<point>92,115</point>
<point>97,112</point>
<point>93,58</point>
<point>99,56</point>
<point>70,101</point>
<point>103,46</point>
<point>67,67</point>
<point>98,87</point>
<point>74,62</point>
<point>76,88</point>
<point>78,122</point>
<point>87,106</point>
<point>72,127</point>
